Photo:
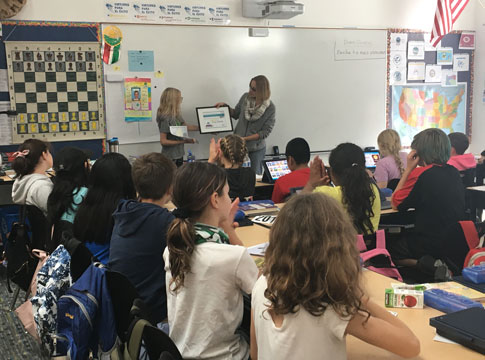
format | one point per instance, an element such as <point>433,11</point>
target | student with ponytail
<point>353,186</point>
<point>70,188</point>
<point>32,186</point>
<point>206,274</point>
<point>231,152</point>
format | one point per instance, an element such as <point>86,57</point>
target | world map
<point>418,107</point>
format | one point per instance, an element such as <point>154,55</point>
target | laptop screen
<point>277,168</point>
<point>371,159</point>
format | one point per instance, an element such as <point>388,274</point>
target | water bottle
<point>114,145</point>
<point>190,157</point>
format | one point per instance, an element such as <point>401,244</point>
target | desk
<point>417,319</point>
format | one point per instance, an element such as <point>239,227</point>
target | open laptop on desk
<point>274,169</point>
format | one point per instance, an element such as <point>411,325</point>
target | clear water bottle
<point>247,162</point>
<point>190,156</point>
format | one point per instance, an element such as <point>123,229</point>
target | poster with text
<point>138,99</point>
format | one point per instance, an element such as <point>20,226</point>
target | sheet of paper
<point>461,62</point>
<point>399,41</point>
<point>427,43</point>
<point>3,80</point>
<point>5,124</point>
<point>398,58</point>
<point>467,41</point>
<point>416,50</point>
<point>449,77</point>
<point>180,131</point>
<point>397,75</point>
<point>433,73</point>
<point>444,56</point>
<point>443,339</point>
<point>140,60</point>
<point>258,250</point>
<point>416,70</point>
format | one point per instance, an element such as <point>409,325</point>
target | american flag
<point>447,12</point>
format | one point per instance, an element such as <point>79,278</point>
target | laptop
<point>274,169</point>
<point>464,327</point>
<point>371,159</point>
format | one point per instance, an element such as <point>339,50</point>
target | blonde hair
<point>263,91</point>
<point>390,144</point>
<point>313,263</point>
<point>170,103</point>
<point>234,149</point>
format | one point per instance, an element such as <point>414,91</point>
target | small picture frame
<point>214,120</point>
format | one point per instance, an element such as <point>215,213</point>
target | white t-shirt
<point>205,313</point>
<point>301,335</point>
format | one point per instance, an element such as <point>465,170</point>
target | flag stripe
<point>447,12</point>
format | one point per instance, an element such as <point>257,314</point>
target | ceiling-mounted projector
<point>284,9</point>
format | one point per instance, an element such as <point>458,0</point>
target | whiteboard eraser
<point>258,32</point>
<point>114,77</point>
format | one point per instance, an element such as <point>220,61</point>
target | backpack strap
<point>23,213</point>
<point>380,239</point>
<point>134,343</point>
<point>361,243</point>
<point>470,232</point>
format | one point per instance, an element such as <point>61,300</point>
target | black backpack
<point>21,263</point>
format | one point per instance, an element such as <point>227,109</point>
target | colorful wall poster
<point>467,41</point>
<point>145,11</point>
<point>138,99</point>
<point>418,107</point>
<point>118,10</point>
<point>444,56</point>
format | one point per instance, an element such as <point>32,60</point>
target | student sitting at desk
<point>459,143</point>
<point>206,273</point>
<point>109,182</point>
<point>32,186</point>
<point>434,189</point>
<point>70,188</point>
<point>310,296</point>
<point>392,162</point>
<point>139,232</point>
<point>354,188</point>
<point>297,156</point>
<point>169,114</point>
<point>230,152</point>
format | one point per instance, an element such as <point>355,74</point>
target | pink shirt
<point>386,168</point>
<point>463,162</point>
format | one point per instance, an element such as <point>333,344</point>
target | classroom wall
<point>411,14</point>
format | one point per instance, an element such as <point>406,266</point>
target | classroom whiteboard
<point>318,97</point>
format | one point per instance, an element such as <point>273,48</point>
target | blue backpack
<point>85,321</point>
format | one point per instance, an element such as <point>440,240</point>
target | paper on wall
<point>3,80</point>
<point>449,77</point>
<point>416,70</point>
<point>399,41</point>
<point>467,41</point>
<point>433,73</point>
<point>398,58</point>
<point>427,43</point>
<point>461,62</point>
<point>444,56</point>
<point>416,50</point>
<point>397,75</point>
<point>5,124</point>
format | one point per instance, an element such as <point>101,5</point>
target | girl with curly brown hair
<point>310,296</point>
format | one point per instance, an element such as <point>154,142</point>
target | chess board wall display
<point>56,89</point>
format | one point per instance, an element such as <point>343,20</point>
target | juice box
<point>404,298</point>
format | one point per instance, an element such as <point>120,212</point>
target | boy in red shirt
<point>298,156</point>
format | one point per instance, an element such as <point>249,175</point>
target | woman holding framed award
<point>256,114</point>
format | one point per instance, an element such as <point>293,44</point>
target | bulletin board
<point>425,88</point>
<point>59,93</point>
